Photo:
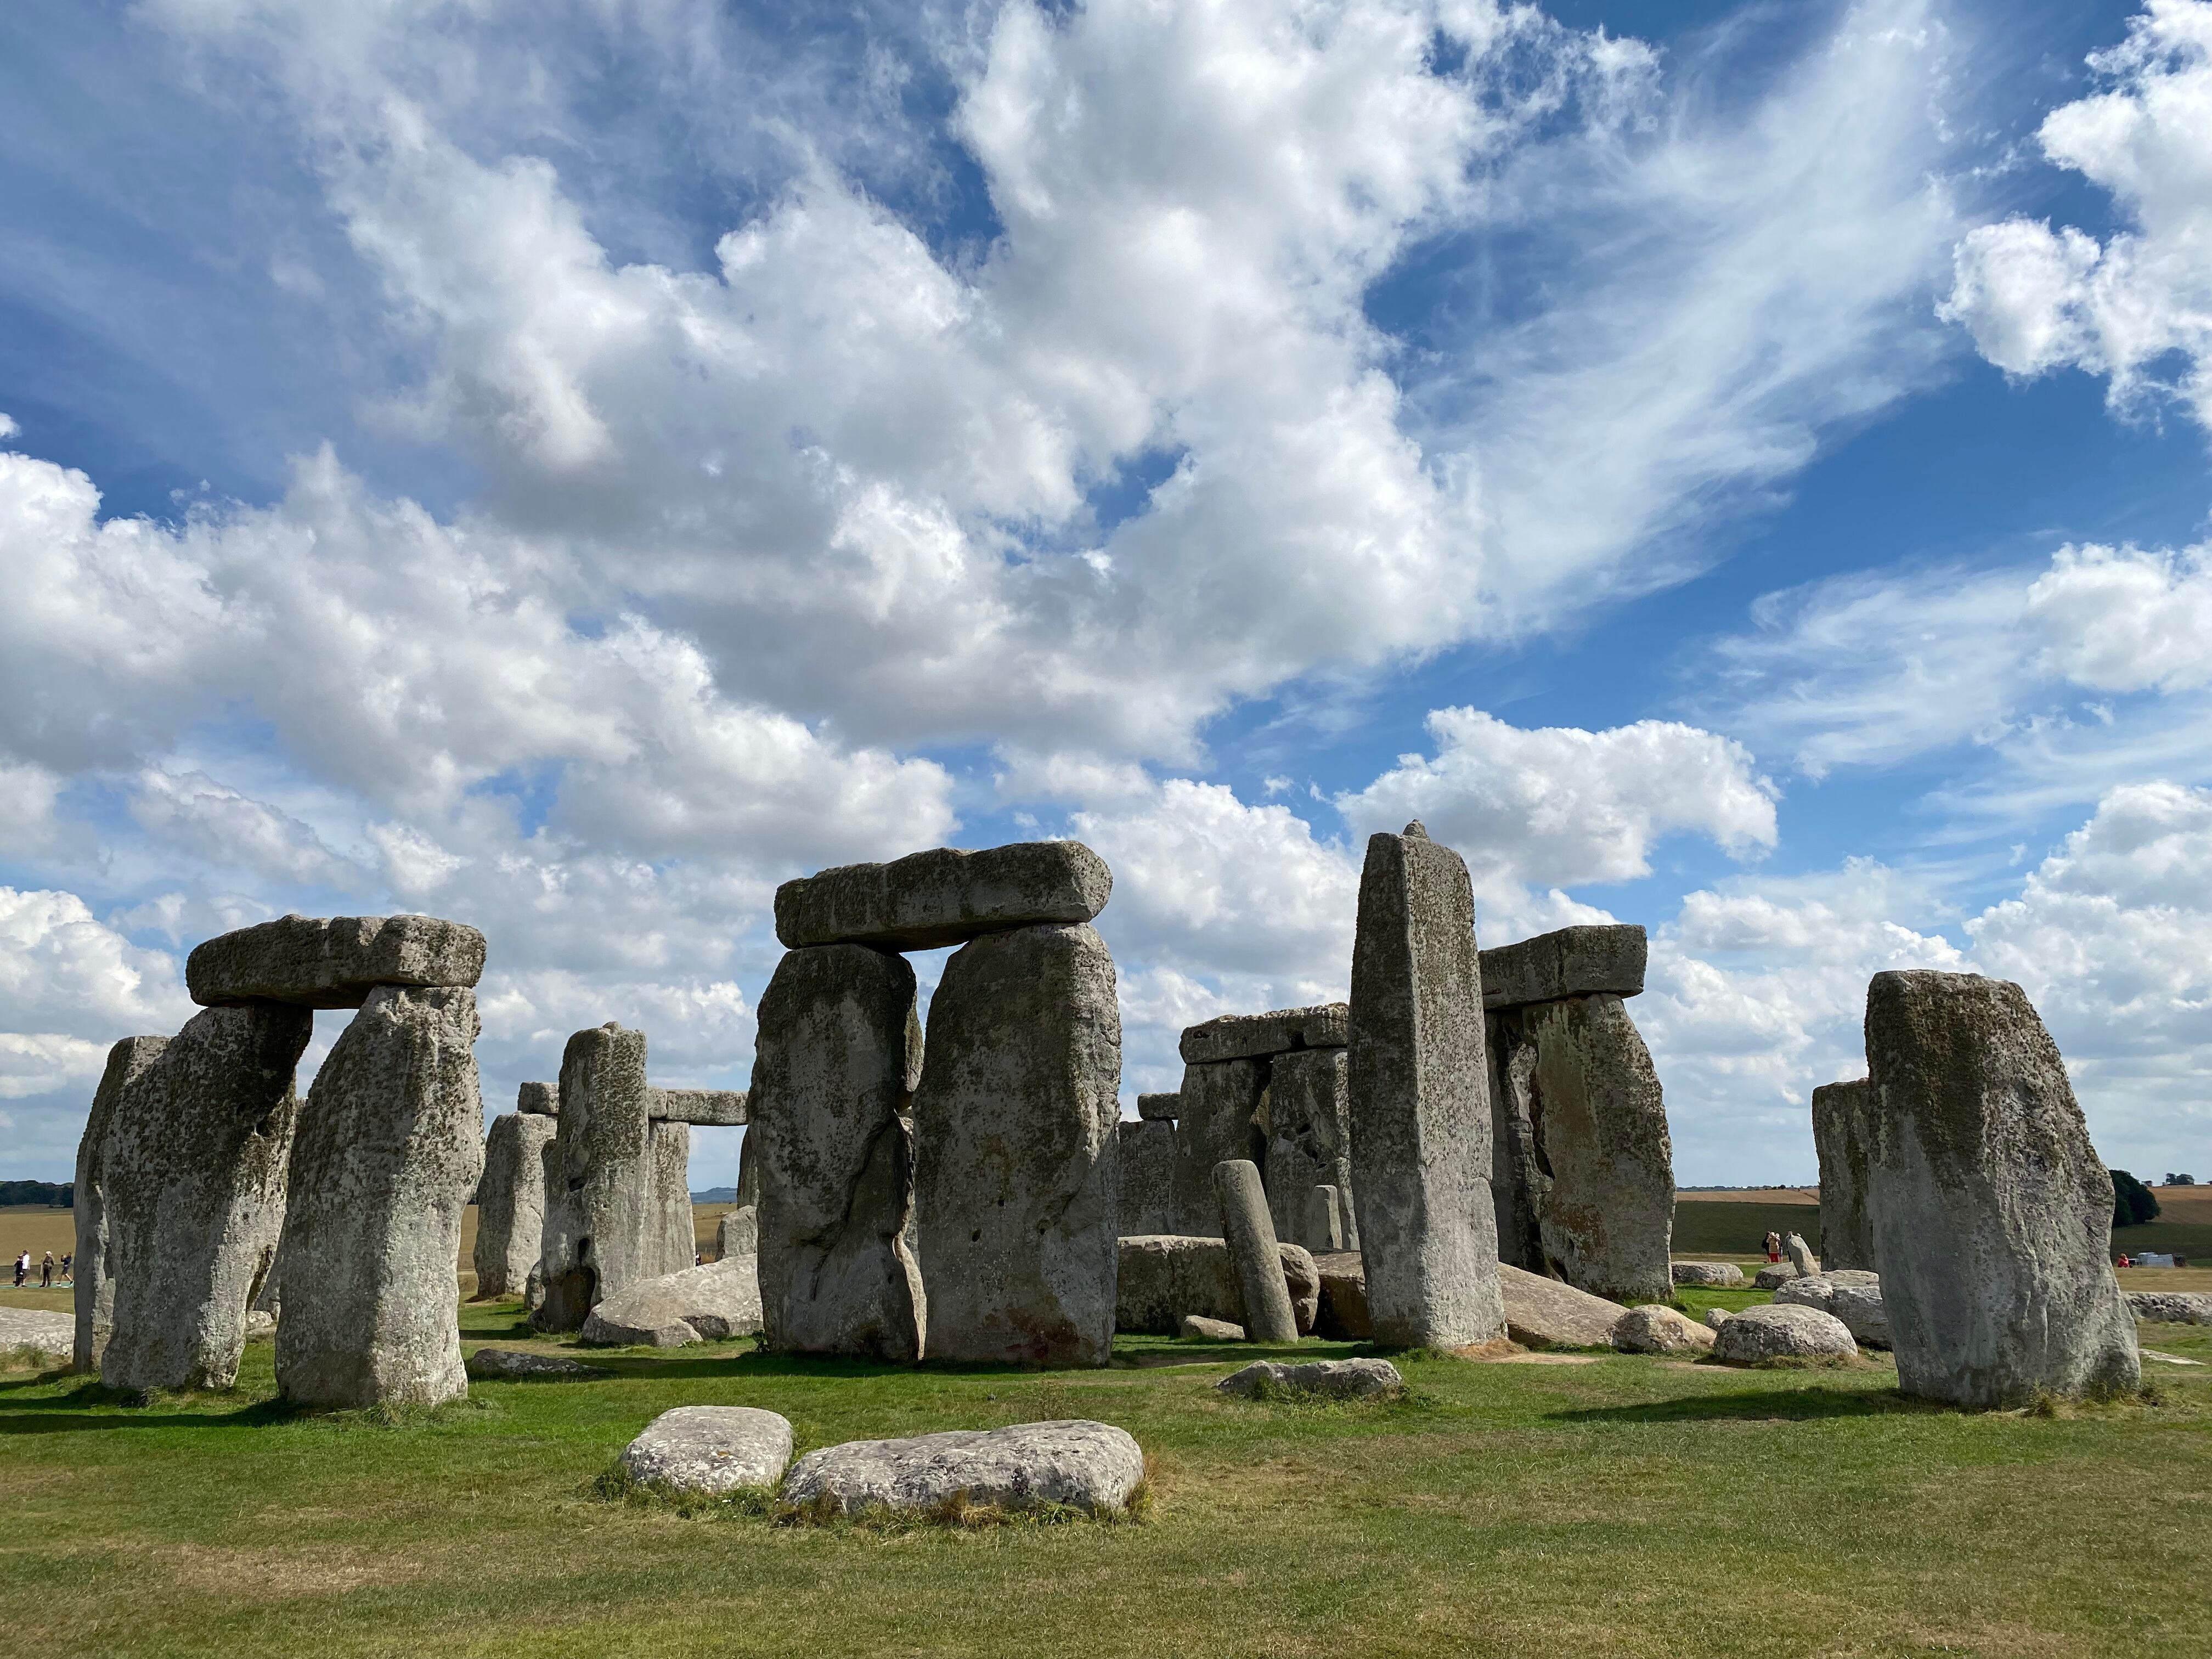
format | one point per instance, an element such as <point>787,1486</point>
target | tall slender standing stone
<point>192,1186</point>
<point>388,1154</point>
<point>1842,1128</point>
<point>94,1285</point>
<point>834,1155</point>
<point>1220,1121</point>
<point>1420,1109</point>
<point>1254,1254</point>
<point>1990,1212</point>
<point>1015,1176</point>
<point>1146,1202</point>
<point>511,1203</point>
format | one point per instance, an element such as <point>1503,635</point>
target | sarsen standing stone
<point>511,1203</point>
<point>95,1288</point>
<point>1842,1127</point>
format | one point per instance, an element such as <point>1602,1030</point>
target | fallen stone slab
<point>1653,1329</point>
<point>1852,1295</point>
<point>1238,1036</point>
<point>1091,1466</point>
<point>53,1334</point>
<point>519,1366</point>
<point>1773,1276</point>
<point>333,961</point>
<point>1196,1328</point>
<point>1782,1331</point>
<point>1707,1272</point>
<point>539,1099</point>
<point>710,1448</point>
<point>1160,1108</point>
<point>1540,1310</point>
<point>1161,1277</point>
<point>1573,961</point>
<point>944,897</point>
<point>2170,1306</point>
<point>1341,1314</point>
<point>1333,1379</point>
<point>2168,1358</point>
<point>712,1303</point>
<point>706,1107</point>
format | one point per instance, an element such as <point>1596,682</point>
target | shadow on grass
<point>1767,1406</point>
<point>66,1414</point>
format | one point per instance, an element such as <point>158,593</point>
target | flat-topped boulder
<point>712,1303</point>
<point>1090,1466</point>
<point>706,1107</point>
<point>1196,1328</point>
<point>521,1365</point>
<point>944,897</point>
<point>52,1336</point>
<point>1656,1328</point>
<point>539,1099</point>
<point>1241,1036</point>
<point>1160,1108</point>
<point>1852,1295</point>
<point>333,962</point>
<point>1550,1313</point>
<point>1573,961</point>
<point>2170,1306</point>
<point>1706,1273</point>
<point>1333,1379</point>
<point>1782,1330</point>
<point>710,1448</point>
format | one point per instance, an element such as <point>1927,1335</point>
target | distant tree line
<point>2132,1203</point>
<point>62,1193</point>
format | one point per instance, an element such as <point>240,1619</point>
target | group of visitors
<point>45,1270</point>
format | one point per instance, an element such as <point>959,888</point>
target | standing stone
<point>388,1154</point>
<point>836,1157</point>
<point>1015,1185</point>
<point>1308,1139</point>
<point>1252,1252</point>
<point>1321,1227</point>
<point>94,1285</point>
<point>1802,1259</point>
<point>192,1187</point>
<point>1420,1115</point>
<point>1220,1121</point>
<point>738,1233</point>
<point>671,1232</point>
<point>1147,1176</point>
<point>511,1203</point>
<point>1582,1159</point>
<point>1990,1212</point>
<point>1842,1127</point>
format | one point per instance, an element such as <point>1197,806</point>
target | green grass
<point>1717,1227</point>
<point>1628,1506</point>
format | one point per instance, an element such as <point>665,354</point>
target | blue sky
<point>1738,468</point>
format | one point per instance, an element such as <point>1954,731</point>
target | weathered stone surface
<point>1706,1273</point>
<point>715,1302</point>
<point>1221,1120</point>
<point>1146,1203</point>
<point>331,962</point>
<point>511,1203</point>
<point>738,1233</point>
<point>1238,1036</point>
<point>1717,1317</point>
<point>1545,1313</point>
<point>1842,1130</point>
<point>1800,1255</point>
<point>1773,1276</point>
<point>51,1335</point>
<point>1197,1328</point>
<point>1016,1181</point>
<point>706,1107</point>
<point>1655,1329</point>
<point>94,1288</point>
<point>1852,1295</point>
<point>710,1448</point>
<point>2171,1307</point>
<point>1333,1379</point>
<point>386,1157</point>
<point>1254,1255</point>
<point>1159,1109</point>
<point>1091,1466</point>
<point>1573,961</point>
<point>192,1187</point>
<point>1305,1112</point>
<point>539,1099</point>
<point>946,896</point>
<point>1320,1221</point>
<point>1782,1331</point>
<point>1582,1166</point>
<point>259,1326</point>
<point>1420,1115</point>
<point>1164,1276</point>
<point>1341,1314</point>
<point>1990,1212</point>
<point>618,1206</point>
<point>520,1365</point>
<point>835,1155</point>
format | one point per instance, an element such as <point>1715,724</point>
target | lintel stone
<point>333,962</point>
<point>707,1108</point>
<point>947,895</point>
<point>1573,961</point>
<point>1240,1037</point>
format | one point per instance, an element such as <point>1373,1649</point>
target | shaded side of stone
<point>1989,1211</point>
<point>1159,1107</point>
<point>539,1099</point>
<point>1017,1187</point>
<point>1420,1115</point>
<point>1165,1277</point>
<point>944,897</point>
<point>511,1203</point>
<point>192,1185</point>
<point>1572,961</point>
<point>333,962</point>
<point>1306,1114</point>
<point>1221,1120</point>
<point>835,1158</point>
<point>1239,1036</point>
<point>387,1155</point>
<point>607,1209</point>
<point>92,1277</point>
<point>1146,1203</point>
<point>1841,1131</point>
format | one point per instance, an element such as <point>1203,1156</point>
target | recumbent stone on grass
<point>1091,1466</point>
<point>1782,1331</point>
<point>710,1448</point>
<point>712,1303</point>
<point>1336,1379</point>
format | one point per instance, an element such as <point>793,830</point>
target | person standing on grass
<point>1773,1247</point>
<point>22,1269</point>
<point>46,1273</point>
<point>68,1267</point>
